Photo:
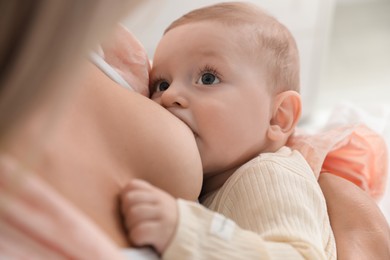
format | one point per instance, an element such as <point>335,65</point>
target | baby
<point>231,73</point>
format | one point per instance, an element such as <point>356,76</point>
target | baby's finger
<point>141,213</point>
<point>132,198</point>
<point>137,184</point>
<point>141,184</point>
<point>144,234</point>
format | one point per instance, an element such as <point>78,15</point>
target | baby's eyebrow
<point>211,53</point>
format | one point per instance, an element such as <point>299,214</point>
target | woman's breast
<point>83,171</point>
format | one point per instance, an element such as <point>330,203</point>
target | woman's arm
<point>361,231</point>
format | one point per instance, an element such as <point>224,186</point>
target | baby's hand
<point>151,215</point>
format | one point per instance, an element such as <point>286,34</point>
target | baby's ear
<point>286,113</point>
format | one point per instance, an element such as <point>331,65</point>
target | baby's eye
<point>162,86</point>
<point>208,79</point>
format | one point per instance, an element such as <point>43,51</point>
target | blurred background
<point>344,47</point>
<point>358,61</point>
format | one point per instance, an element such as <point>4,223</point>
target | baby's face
<point>203,75</point>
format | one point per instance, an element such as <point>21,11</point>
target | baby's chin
<point>127,56</point>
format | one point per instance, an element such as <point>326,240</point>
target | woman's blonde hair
<point>42,39</point>
<point>272,42</point>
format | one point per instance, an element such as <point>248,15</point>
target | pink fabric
<point>354,152</point>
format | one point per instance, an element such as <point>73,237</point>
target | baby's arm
<point>282,202</point>
<point>152,217</point>
<point>203,233</point>
<point>352,224</point>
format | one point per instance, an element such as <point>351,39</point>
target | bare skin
<point>360,229</point>
<point>342,197</point>
<point>93,185</point>
<point>89,155</point>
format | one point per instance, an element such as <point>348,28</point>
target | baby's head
<point>231,73</point>
<point>260,36</point>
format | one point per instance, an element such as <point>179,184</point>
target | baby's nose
<point>174,96</point>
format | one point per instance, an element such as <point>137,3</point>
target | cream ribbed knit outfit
<point>278,209</point>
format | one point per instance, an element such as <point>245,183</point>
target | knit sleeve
<point>284,211</point>
<point>204,234</point>
<point>282,202</point>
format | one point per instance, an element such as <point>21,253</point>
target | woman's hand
<point>127,55</point>
<point>361,231</point>
<point>151,215</point>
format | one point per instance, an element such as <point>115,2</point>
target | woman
<point>71,138</point>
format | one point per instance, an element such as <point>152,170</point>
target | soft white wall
<point>358,65</point>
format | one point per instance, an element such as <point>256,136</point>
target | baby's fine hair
<point>272,41</point>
